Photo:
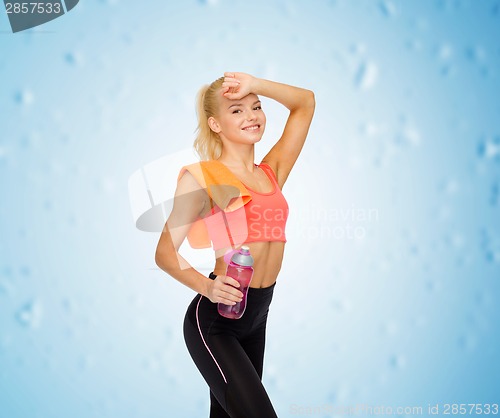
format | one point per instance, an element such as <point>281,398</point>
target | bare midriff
<point>267,262</point>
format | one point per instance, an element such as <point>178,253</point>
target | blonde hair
<point>208,144</point>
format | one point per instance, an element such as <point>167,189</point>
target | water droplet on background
<point>475,53</point>
<point>443,213</point>
<point>30,314</point>
<point>370,129</point>
<point>408,136</point>
<point>490,246</point>
<point>273,376</point>
<point>341,305</point>
<point>397,361</point>
<point>489,148</point>
<point>24,97</point>
<point>419,322</point>
<point>6,287</point>
<point>495,10</point>
<point>5,342</point>
<point>69,306</point>
<point>106,184</point>
<point>137,301</point>
<point>366,76</point>
<point>387,8</point>
<point>494,193</point>
<point>467,342</point>
<point>445,52</point>
<point>25,271</point>
<point>455,240</point>
<point>209,2</point>
<point>390,328</point>
<point>6,271</point>
<point>331,397</point>
<point>358,48</point>
<point>73,58</point>
<point>169,335</point>
<point>150,364</point>
<point>85,362</point>
<point>450,186</point>
<point>414,45</point>
<point>433,285</point>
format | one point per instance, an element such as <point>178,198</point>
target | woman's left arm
<point>300,102</point>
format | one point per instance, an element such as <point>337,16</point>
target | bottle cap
<point>243,257</point>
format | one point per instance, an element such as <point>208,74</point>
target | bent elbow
<point>311,99</point>
<point>161,260</point>
<point>158,259</point>
<point>167,261</point>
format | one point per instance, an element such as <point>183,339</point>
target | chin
<point>248,139</point>
<point>256,140</point>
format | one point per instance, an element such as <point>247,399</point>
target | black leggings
<point>230,353</point>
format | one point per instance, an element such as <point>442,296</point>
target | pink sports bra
<point>263,218</point>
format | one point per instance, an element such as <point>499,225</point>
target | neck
<point>238,156</point>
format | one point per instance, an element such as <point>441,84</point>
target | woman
<point>229,353</point>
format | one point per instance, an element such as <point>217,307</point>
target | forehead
<point>247,100</point>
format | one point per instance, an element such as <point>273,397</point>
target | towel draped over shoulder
<point>224,190</point>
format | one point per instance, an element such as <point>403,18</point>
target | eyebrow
<point>239,104</point>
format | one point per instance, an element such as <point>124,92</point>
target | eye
<point>236,111</point>
<point>257,108</point>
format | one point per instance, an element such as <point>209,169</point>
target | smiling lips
<point>252,128</point>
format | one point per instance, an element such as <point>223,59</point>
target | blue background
<point>389,290</point>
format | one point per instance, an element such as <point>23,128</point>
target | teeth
<point>251,128</point>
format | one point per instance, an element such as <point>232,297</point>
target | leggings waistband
<point>254,291</point>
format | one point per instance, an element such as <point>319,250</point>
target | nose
<point>251,115</point>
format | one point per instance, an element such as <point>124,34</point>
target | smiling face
<point>242,121</point>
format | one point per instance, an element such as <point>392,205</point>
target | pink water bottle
<point>240,269</point>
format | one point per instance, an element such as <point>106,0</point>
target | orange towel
<point>222,186</point>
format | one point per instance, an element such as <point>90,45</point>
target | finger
<point>226,298</point>
<point>233,293</point>
<point>230,84</point>
<point>232,79</point>
<point>232,298</point>
<point>229,286</point>
<point>228,295</point>
<point>229,74</point>
<point>230,281</point>
<point>232,95</point>
<point>226,302</point>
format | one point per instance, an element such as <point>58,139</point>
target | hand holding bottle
<point>240,270</point>
<point>223,289</point>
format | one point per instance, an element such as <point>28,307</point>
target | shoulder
<point>197,169</point>
<point>188,179</point>
<point>190,194</point>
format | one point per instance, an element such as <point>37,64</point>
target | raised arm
<point>190,202</point>
<point>300,102</point>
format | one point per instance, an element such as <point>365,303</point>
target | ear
<point>214,125</point>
